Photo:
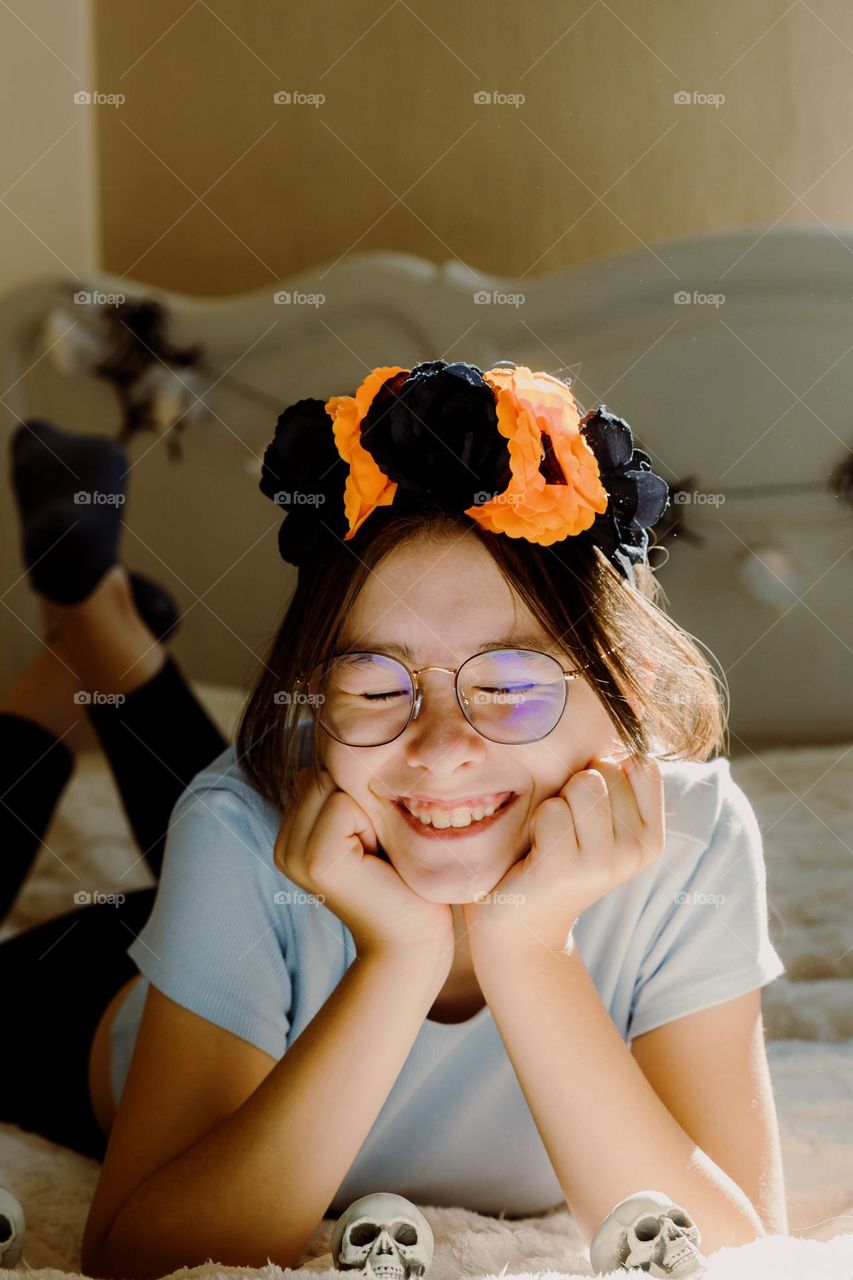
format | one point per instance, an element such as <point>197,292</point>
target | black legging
<point>57,978</point>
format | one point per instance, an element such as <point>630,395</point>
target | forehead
<point>433,600</point>
<point>418,654</point>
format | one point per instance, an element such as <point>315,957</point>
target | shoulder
<point>699,795</point>
<point>225,773</point>
<point>222,790</point>
<point>221,837</point>
<point>712,835</point>
<point>220,848</point>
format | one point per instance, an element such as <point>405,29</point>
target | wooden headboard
<point>729,355</point>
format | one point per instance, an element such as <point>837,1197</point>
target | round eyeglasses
<point>511,696</point>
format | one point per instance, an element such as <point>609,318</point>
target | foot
<point>70,491</point>
<point>69,544</point>
<point>107,641</point>
<point>155,605</point>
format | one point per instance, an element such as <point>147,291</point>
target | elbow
<point>90,1263</point>
<point>94,1266</point>
<point>102,1261</point>
<point>96,1262</point>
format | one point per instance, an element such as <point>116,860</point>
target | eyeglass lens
<point>508,695</point>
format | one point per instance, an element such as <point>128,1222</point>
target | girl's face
<point>445,601</point>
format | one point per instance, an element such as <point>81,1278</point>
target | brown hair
<point>580,599</point>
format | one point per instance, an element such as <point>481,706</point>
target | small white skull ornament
<point>385,1235</point>
<point>650,1232</point>
<point>12,1227</point>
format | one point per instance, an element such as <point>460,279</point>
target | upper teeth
<point>433,815</point>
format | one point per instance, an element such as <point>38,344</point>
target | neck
<point>462,952</point>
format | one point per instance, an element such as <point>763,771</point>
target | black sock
<point>70,493</point>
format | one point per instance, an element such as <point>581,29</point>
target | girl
<point>467,912</point>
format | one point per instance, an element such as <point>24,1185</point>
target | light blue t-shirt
<point>231,938</point>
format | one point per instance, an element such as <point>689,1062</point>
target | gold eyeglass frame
<point>569,673</point>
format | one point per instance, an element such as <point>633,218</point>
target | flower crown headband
<point>507,447</point>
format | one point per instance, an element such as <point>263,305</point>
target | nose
<point>438,738</point>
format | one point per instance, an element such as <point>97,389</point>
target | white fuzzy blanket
<point>807,845</point>
<point>56,1185</point>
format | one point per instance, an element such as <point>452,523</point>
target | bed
<point>751,390</point>
<point>808,1017</point>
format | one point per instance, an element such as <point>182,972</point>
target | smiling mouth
<point>461,821</point>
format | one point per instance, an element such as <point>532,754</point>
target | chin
<point>448,884</point>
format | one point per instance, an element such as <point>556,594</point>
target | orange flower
<point>367,487</point>
<point>530,406</point>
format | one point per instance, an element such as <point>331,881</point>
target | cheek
<point>352,772</point>
<point>586,731</point>
<point>341,768</point>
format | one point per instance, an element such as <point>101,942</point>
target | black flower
<point>303,473</point>
<point>637,497</point>
<point>435,432</point>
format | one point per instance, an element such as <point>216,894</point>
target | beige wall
<point>48,225</point>
<point>598,159</point>
<point>48,191</point>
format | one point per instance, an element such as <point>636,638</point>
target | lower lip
<point>453,833</point>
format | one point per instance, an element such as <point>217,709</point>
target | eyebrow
<point>540,643</point>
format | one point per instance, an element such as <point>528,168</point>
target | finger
<point>342,829</point>
<point>587,796</point>
<point>552,829</point>
<point>627,820</point>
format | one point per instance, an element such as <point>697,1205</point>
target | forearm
<point>606,1131</point>
<point>258,1184</point>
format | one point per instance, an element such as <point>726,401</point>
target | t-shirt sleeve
<point>215,941</point>
<point>713,942</point>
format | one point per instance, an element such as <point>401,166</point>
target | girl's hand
<point>605,827</point>
<point>327,844</point>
